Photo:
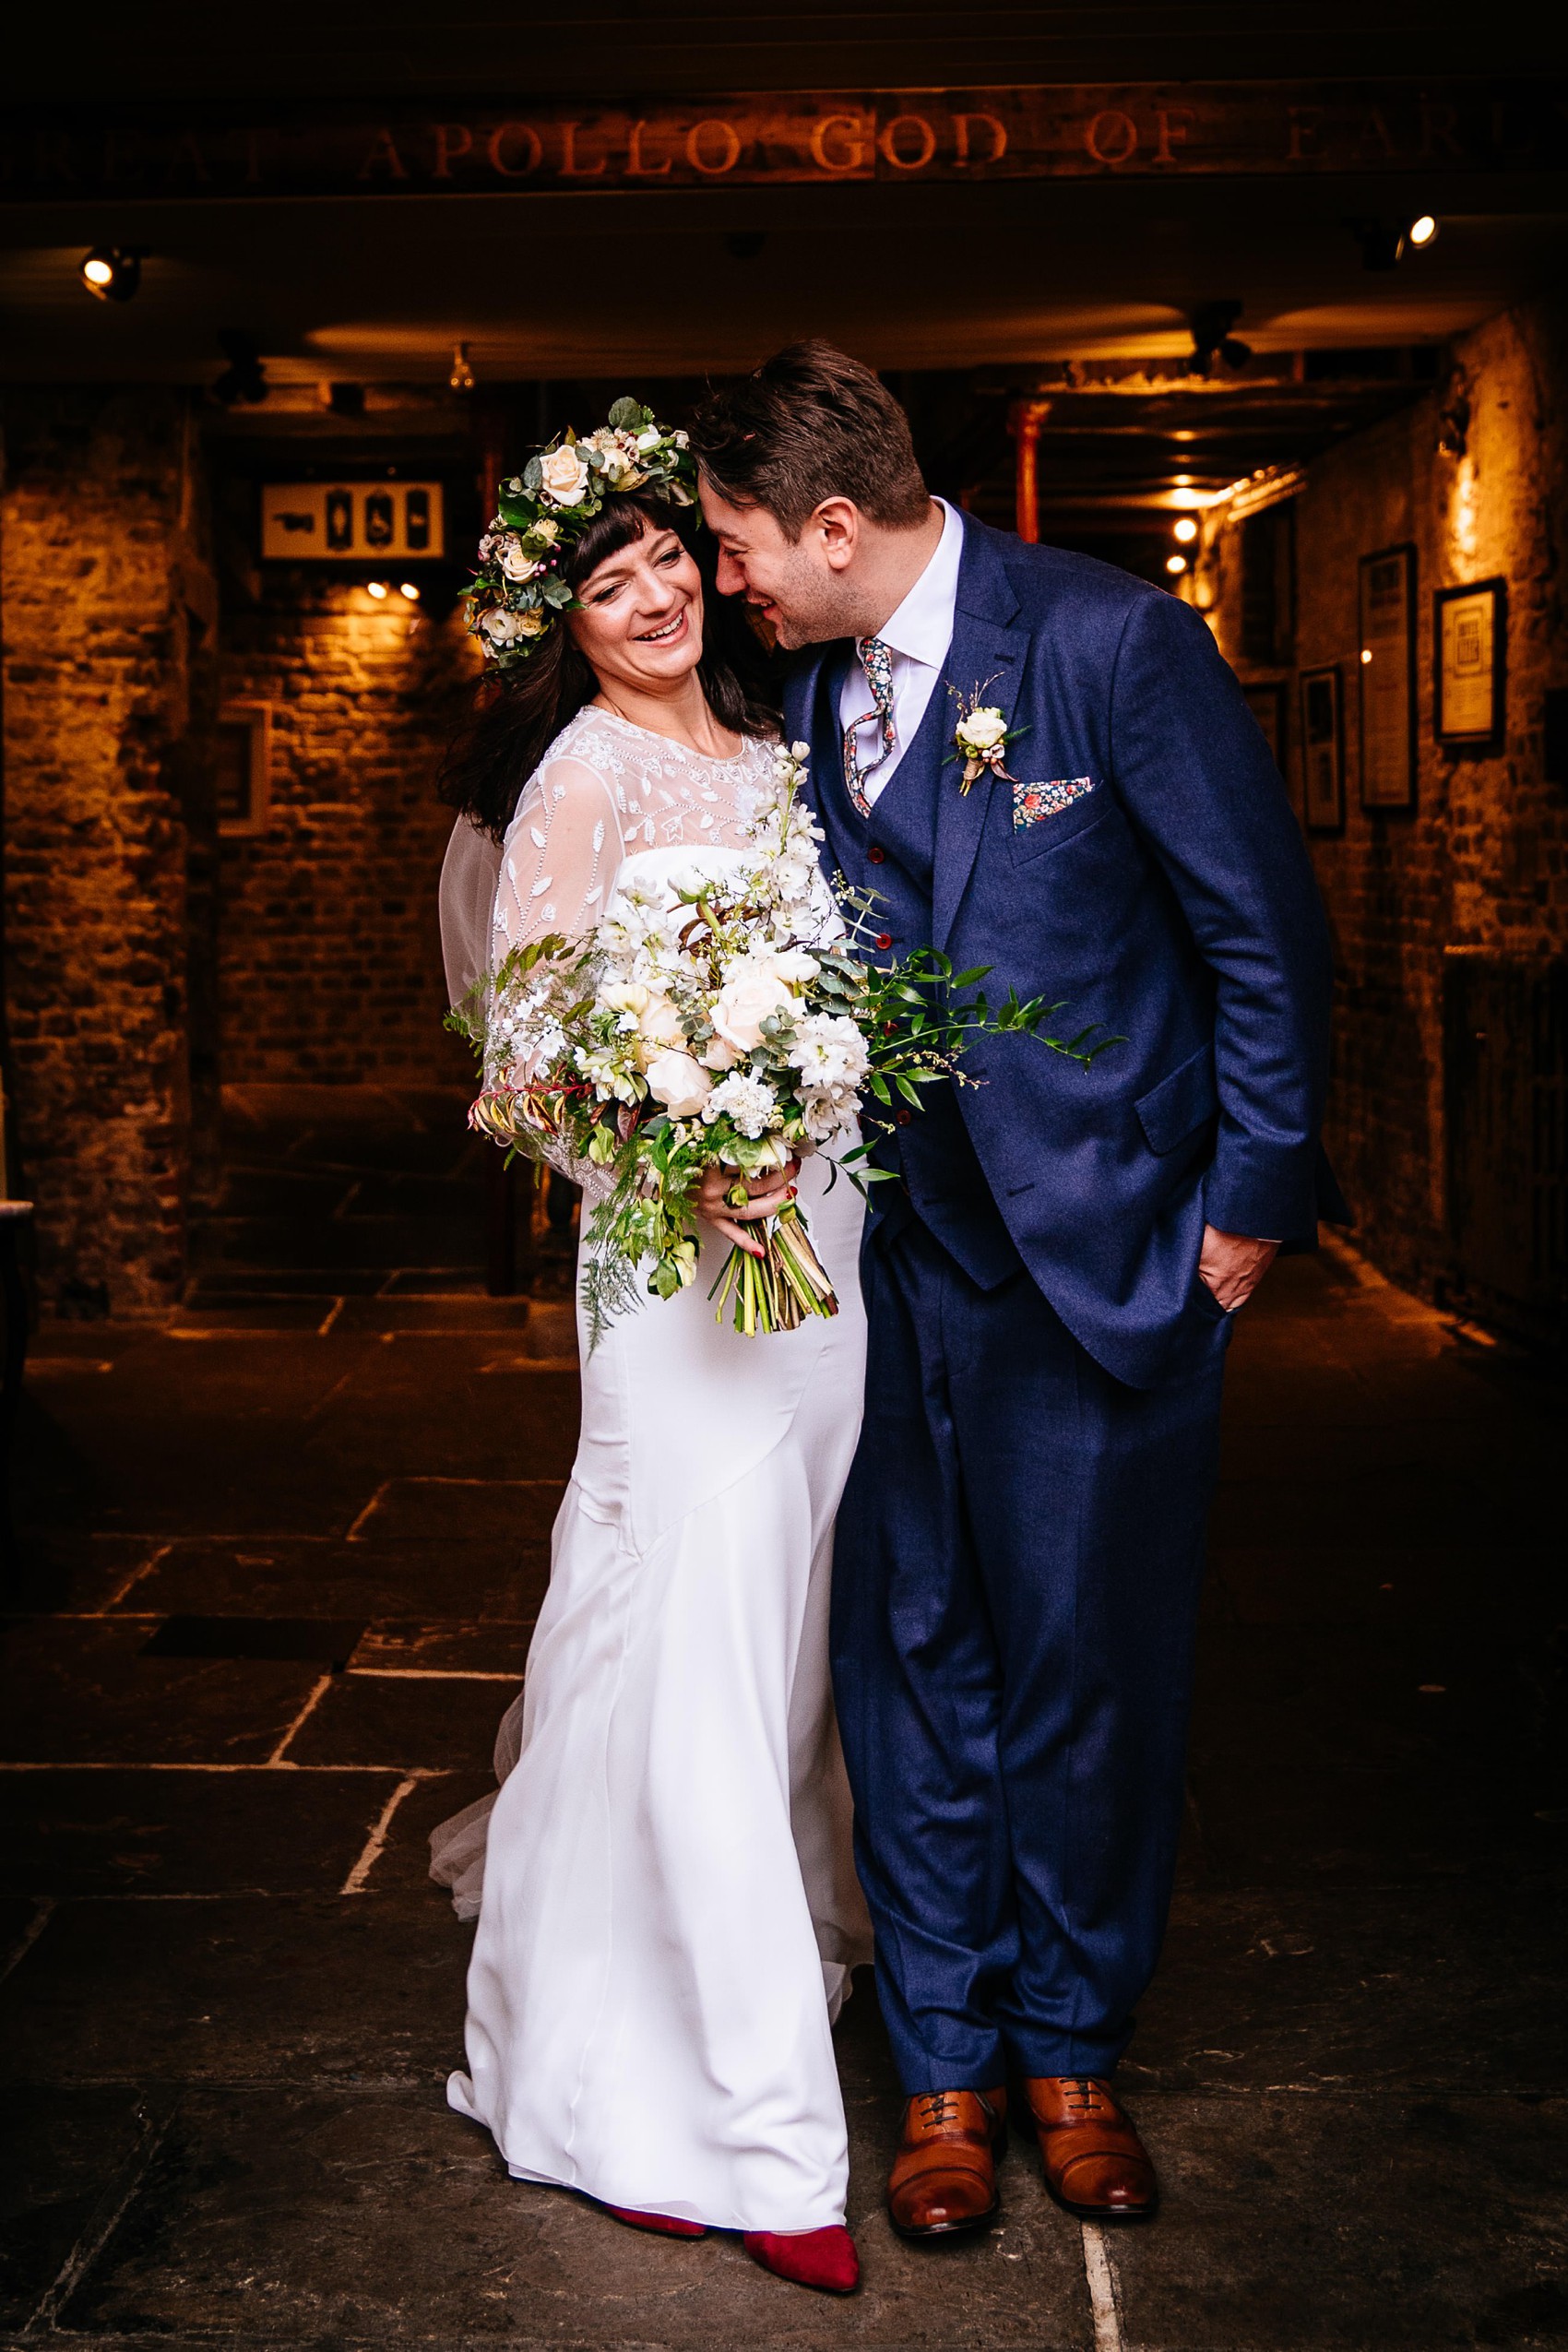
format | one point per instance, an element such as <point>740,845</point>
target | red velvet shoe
<point>825,2259</point>
<point>665,2224</point>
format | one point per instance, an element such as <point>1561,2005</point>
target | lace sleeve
<point>557,871</point>
<point>562,851</point>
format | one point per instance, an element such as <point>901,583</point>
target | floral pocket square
<point>1032,803</point>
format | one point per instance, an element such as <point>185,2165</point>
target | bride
<point>669,1911</point>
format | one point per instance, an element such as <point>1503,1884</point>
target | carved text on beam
<point>1187,130</point>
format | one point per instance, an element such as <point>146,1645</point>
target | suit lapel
<point>805,719</point>
<point>984,648</point>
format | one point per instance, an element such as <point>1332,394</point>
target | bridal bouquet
<point>734,1029</point>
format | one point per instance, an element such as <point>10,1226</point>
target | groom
<point>1050,1285</point>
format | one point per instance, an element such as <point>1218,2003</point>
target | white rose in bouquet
<point>564,476</point>
<point>680,1084</point>
<point>752,994</point>
<point>792,965</point>
<point>660,1027</point>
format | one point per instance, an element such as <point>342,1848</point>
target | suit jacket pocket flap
<point>1170,1111</point>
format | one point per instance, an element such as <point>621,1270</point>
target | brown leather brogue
<point>1095,2163</point>
<point>943,2177</point>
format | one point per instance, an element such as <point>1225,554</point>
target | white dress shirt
<point>918,638</point>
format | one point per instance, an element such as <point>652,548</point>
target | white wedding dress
<point>670,1909</point>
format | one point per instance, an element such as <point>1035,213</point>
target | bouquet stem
<point>777,1290</point>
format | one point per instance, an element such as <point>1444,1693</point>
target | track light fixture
<point>462,376</point>
<point>1385,242</point>
<point>411,589</point>
<point>112,273</point>
<point>378,589</point>
<point>1175,562</point>
<point>243,381</point>
<point>1211,324</point>
<point>1422,231</point>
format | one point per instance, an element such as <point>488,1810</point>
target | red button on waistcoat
<point>877,857</point>
<point>903,1118</point>
<point>884,939</point>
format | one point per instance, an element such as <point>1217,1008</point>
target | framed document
<point>1388,678</point>
<point>1322,750</point>
<point>1469,639</point>
<point>245,767</point>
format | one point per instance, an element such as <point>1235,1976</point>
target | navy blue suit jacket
<point>1173,902</point>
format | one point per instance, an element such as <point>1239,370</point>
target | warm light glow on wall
<point>410,589</point>
<point>1185,530</point>
<point>1462,512</point>
<point>376,588</point>
<point>1175,562</point>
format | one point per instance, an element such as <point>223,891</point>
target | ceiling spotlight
<point>111,272</point>
<point>1184,528</point>
<point>1175,562</point>
<point>377,588</point>
<point>409,589</point>
<point>462,376</point>
<point>1422,231</point>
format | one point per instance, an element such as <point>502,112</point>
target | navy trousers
<point>1016,1582</point>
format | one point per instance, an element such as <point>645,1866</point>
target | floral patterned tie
<point>876,660</point>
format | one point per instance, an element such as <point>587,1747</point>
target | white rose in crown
<point>503,628</point>
<point>563,475</point>
<point>680,1084</point>
<point>515,560</point>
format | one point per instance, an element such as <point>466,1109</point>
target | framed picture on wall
<point>1470,640</point>
<point>1322,750</point>
<point>1267,707</point>
<point>1387,611</point>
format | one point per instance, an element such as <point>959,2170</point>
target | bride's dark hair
<point>514,719</point>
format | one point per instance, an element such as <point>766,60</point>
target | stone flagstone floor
<point>280,1564</point>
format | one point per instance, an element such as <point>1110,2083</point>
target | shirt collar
<point>921,629</point>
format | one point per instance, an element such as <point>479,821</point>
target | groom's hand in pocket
<point>766,1196</point>
<point>1233,1264</point>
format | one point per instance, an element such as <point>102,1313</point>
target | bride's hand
<point>769,1193</point>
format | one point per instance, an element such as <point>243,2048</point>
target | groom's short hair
<point>811,423</point>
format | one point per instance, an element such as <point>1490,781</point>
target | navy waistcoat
<point>944,1182</point>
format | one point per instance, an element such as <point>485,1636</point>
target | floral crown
<point>519,591</point>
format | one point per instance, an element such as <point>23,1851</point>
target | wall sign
<point>1163,131</point>
<point>1387,607</point>
<point>1322,750</point>
<point>1469,638</point>
<point>352,522</point>
<point>245,767</point>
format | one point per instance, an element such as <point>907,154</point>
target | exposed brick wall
<point>329,942</point>
<point>109,610</point>
<point>1483,859</point>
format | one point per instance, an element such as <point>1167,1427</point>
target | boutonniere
<point>981,737</point>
